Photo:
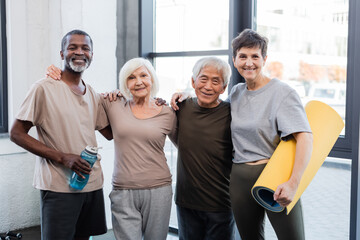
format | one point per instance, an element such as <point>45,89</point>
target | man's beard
<point>77,68</point>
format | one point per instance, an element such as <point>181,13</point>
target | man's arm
<point>107,132</point>
<point>19,135</point>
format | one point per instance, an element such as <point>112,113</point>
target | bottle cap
<point>92,149</point>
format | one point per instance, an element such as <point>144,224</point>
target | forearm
<point>302,155</point>
<point>19,135</point>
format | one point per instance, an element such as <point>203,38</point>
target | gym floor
<point>33,233</point>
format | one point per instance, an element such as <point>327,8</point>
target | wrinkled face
<point>77,53</point>
<point>208,86</point>
<point>249,63</point>
<point>139,83</point>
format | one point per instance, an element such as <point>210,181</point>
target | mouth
<point>139,89</point>
<point>79,60</point>
<point>249,69</point>
<point>206,94</point>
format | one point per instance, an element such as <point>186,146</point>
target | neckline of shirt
<point>76,94</point>
<point>141,119</point>
<point>195,102</point>
<point>262,89</point>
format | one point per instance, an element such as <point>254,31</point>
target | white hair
<point>221,66</point>
<point>129,67</point>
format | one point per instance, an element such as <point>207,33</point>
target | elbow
<point>14,135</point>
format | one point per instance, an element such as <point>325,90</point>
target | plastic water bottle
<point>89,154</point>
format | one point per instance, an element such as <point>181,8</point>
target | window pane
<point>308,50</point>
<point>308,47</point>
<point>191,25</point>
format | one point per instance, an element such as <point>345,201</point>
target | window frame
<point>3,71</point>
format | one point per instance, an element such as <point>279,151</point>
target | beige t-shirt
<point>140,161</point>
<point>65,121</point>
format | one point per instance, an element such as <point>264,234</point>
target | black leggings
<point>249,215</point>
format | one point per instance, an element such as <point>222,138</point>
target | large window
<point>3,75</point>
<point>312,47</point>
<point>311,60</point>
<point>183,32</point>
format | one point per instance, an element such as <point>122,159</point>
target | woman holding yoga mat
<point>264,111</point>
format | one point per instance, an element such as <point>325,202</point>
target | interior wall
<point>34,32</point>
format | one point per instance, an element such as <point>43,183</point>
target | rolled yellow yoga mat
<point>326,126</point>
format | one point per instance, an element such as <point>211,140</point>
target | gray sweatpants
<point>141,213</point>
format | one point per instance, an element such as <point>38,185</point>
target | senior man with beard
<point>66,114</point>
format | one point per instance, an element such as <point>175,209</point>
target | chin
<point>206,102</point>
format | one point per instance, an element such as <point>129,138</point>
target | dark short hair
<point>75,32</point>
<point>249,39</point>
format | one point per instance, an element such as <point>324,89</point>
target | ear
<point>233,60</point>
<point>224,88</point>
<point>265,60</point>
<point>62,55</point>
<point>193,83</point>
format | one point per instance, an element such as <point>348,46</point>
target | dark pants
<point>68,215</point>
<point>201,225</point>
<point>249,215</point>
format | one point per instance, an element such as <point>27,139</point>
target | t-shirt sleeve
<point>101,118</point>
<point>291,116</point>
<point>233,90</point>
<point>33,107</point>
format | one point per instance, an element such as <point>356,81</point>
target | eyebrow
<point>203,75</point>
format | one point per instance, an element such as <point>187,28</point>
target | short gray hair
<point>75,32</point>
<point>129,67</point>
<point>221,66</point>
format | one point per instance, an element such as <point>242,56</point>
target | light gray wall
<point>34,32</point>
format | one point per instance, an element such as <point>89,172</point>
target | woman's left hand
<point>113,95</point>
<point>285,193</point>
<point>53,72</point>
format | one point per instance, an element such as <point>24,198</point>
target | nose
<point>208,85</point>
<point>248,62</point>
<point>138,81</point>
<point>79,51</point>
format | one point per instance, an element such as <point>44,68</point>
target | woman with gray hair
<point>142,193</point>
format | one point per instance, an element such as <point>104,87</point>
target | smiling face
<point>249,62</point>
<point>208,85</point>
<point>139,83</point>
<point>77,53</point>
